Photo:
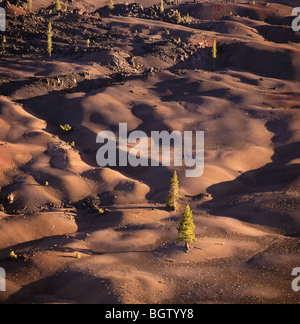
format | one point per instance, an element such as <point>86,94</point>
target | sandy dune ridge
<point>154,75</point>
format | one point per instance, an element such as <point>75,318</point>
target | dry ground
<point>145,69</point>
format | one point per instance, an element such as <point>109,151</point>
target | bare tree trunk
<point>187,247</point>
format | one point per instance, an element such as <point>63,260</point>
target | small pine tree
<point>111,5</point>
<point>29,5</point>
<point>186,228</point>
<point>162,7</point>
<point>178,17</point>
<point>57,5</point>
<point>49,39</point>
<point>215,50</point>
<point>174,194</point>
<point>188,18</point>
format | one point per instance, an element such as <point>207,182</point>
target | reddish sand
<point>246,205</point>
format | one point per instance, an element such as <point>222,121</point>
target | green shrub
<point>111,5</point>
<point>66,128</point>
<point>12,255</point>
<point>57,5</point>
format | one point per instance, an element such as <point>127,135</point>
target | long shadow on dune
<point>83,221</point>
<point>279,34</point>
<point>241,197</point>
<point>56,110</point>
<point>264,60</point>
<point>184,89</point>
<point>67,287</point>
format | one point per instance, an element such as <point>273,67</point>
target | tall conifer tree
<point>162,7</point>
<point>186,228</point>
<point>215,50</point>
<point>174,194</point>
<point>29,5</point>
<point>49,39</point>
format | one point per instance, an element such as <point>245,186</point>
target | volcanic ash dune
<point>83,233</point>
